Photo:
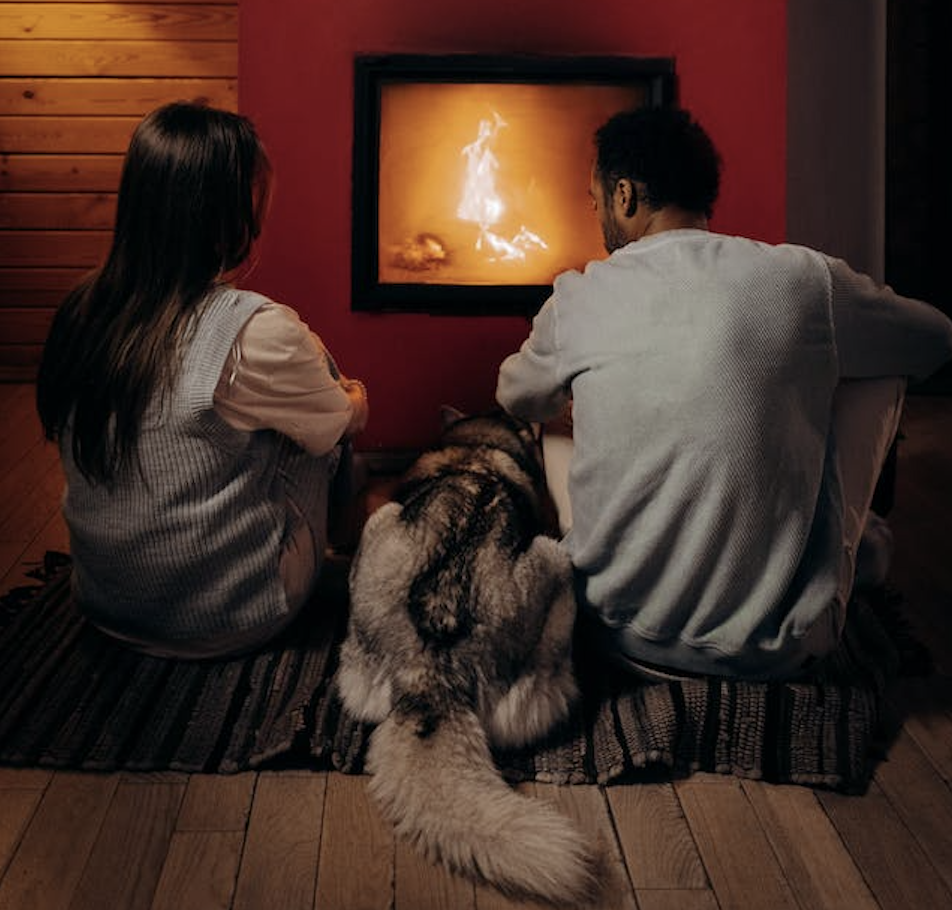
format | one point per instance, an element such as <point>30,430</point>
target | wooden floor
<point>289,840</point>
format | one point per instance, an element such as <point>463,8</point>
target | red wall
<point>295,81</point>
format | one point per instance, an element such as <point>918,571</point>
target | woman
<point>199,425</point>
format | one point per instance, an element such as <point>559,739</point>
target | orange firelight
<point>487,183</point>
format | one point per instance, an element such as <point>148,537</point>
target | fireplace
<point>471,174</point>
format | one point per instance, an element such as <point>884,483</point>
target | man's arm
<point>530,384</point>
<point>880,333</point>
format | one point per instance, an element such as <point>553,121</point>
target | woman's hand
<point>357,393</point>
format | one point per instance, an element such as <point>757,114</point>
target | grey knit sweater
<point>187,547</point>
<point>707,514</point>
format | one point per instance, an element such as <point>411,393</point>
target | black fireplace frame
<point>656,75</point>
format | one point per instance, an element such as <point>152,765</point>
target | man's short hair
<point>664,149</point>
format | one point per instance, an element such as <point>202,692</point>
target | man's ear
<point>626,196</point>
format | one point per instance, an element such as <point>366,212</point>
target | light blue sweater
<point>707,517</point>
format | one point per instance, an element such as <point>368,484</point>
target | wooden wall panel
<point>66,134</point>
<point>59,173</point>
<point>59,211</point>
<point>75,78</point>
<point>102,21</point>
<point>39,57</point>
<point>110,96</point>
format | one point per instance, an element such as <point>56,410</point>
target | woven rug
<point>71,698</point>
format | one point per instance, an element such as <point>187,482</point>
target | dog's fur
<point>460,633</point>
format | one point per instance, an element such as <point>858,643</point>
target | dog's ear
<point>450,415</point>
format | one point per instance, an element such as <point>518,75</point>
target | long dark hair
<point>191,200</point>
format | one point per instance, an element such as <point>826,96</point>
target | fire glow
<point>487,184</point>
<point>481,201</point>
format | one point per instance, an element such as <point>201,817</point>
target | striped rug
<point>70,698</point>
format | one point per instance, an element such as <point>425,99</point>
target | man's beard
<point>613,234</point>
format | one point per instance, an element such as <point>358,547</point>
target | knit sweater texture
<point>707,528</point>
<point>185,544</point>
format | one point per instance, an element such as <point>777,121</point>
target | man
<point>723,461</point>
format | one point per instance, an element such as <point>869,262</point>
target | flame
<point>481,202</point>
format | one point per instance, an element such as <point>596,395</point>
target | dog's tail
<point>444,795</point>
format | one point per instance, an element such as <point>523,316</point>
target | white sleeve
<point>529,383</point>
<point>280,376</point>
<point>880,333</point>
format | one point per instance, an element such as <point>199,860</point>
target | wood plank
<point>30,504</point>
<point>200,871</point>
<point>127,858</point>
<point>892,862</point>
<point>102,21</point>
<point>217,802</point>
<point>41,57</point>
<point>127,2</point>
<point>22,463</point>
<point>677,900</point>
<point>60,173</point>
<point>24,778</point>
<point>25,326</point>
<point>588,808</point>
<point>926,711</point>
<point>421,885</point>
<point>21,437</point>
<point>19,423</point>
<point>18,362</point>
<point>655,837</point>
<point>81,134</point>
<point>357,849</point>
<point>922,800</point>
<point>53,852</point>
<point>19,807</point>
<point>817,866</point>
<point>279,862</point>
<point>57,249</point>
<point>742,868</point>
<point>59,211</point>
<point>30,298</point>
<point>153,777</point>
<point>15,402</point>
<point>59,280</point>
<point>110,97</point>
<point>53,536</point>
<point>10,552</point>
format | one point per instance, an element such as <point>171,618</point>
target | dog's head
<point>495,429</point>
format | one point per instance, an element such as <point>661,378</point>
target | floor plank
<point>816,865</point>
<point>279,862</point>
<point>420,885</point>
<point>357,849</point>
<point>921,799</point>
<point>49,862</point>
<point>890,859</point>
<point>588,807</point>
<point>926,706</point>
<point>673,899</point>
<point>743,870</point>
<point>129,852</point>
<point>200,871</point>
<point>217,802</point>
<point>24,778</point>
<point>655,837</point>
<point>19,807</point>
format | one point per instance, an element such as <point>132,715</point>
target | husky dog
<point>459,639</point>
